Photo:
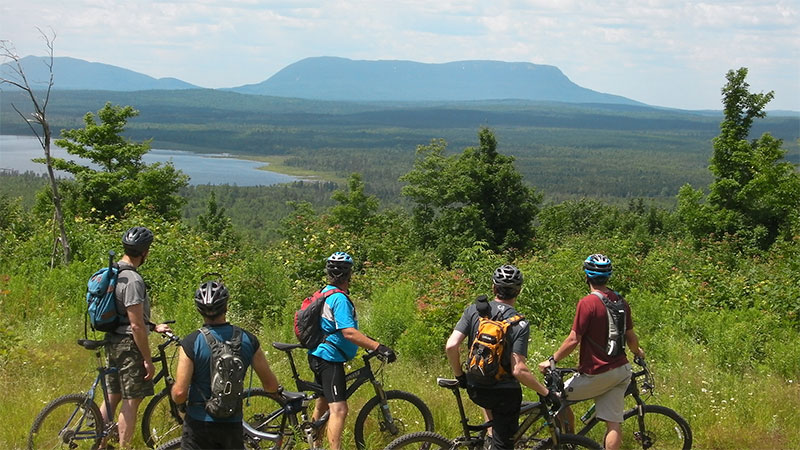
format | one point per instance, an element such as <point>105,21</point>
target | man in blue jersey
<point>202,430</point>
<point>342,339</point>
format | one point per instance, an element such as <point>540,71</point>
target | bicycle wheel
<point>663,428</point>
<point>172,444</point>
<point>409,414</point>
<point>427,440</point>
<point>565,442</point>
<point>265,413</point>
<point>161,421</point>
<point>71,421</point>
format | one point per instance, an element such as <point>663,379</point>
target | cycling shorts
<point>330,375</point>
<point>607,389</point>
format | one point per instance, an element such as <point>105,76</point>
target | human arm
<point>563,351</point>
<point>183,377</point>
<point>139,329</point>
<point>452,350</point>
<point>633,343</point>
<point>519,368</point>
<point>268,379</point>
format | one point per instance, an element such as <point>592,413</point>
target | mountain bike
<point>645,426</point>
<point>162,420</point>
<point>273,436</point>
<point>383,417</point>
<point>475,437</point>
<point>74,420</point>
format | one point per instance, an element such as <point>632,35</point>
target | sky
<point>667,53</point>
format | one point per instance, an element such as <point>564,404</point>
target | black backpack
<point>615,311</point>
<point>227,374</point>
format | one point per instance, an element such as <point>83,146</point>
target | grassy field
<point>726,411</point>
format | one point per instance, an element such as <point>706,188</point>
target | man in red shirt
<point>603,371</point>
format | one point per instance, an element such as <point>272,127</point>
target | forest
<point>702,224</point>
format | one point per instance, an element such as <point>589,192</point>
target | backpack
<point>615,311</point>
<point>485,362</point>
<point>307,326</point>
<point>227,374</point>
<point>101,303</point>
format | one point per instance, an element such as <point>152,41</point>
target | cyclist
<point>603,374</point>
<point>501,401</point>
<point>128,349</point>
<point>193,377</point>
<point>327,360</point>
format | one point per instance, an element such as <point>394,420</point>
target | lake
<point>16,153</point>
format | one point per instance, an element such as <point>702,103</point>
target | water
<point>16,153</point>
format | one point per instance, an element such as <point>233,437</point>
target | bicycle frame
<point>633,391</point>
<point>102,371</point>
<point>356,379</point>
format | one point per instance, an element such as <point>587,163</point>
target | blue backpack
<point>101,302</point>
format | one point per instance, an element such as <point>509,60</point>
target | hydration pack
<point>307,323</point>
<point>101,303</point>
<point>485,363</point>
<point>615,311</point>
<point>227,374</point>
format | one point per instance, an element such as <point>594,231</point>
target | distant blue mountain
<point>73,74</point>
<point>331,78</point>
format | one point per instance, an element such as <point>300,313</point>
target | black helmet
<point>211,298</point>
<point>338,264</point>
<point>597,266</point>
<point>137,238</point>
<point>507,276</point>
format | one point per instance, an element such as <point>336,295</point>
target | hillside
<point>72,73</point>
<point>330,78</point>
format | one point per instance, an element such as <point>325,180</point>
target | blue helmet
<point>338,264</point>
<point>597,266</point>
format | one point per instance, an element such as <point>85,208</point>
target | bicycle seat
<point>90,344</point>
<point>447,383</point>
<point>285,347</point>
<point>290,396</point>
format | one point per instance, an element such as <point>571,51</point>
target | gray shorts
<point>607,389</point>
<point>129,380</point>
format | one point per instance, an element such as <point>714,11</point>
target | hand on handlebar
<point>386,353</point>
<point>163,328</point>
<point>552,400</point>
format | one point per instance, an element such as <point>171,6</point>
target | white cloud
<point>658,51</point>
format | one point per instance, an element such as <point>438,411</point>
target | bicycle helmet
<point>338,264</point>
<point>507,276</point>
<point>211,298</point>
<point>597,266</point>
<point>137,238</point>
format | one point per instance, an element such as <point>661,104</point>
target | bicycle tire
<point>159,425</point>
<point>58,425</point>
<point>566,442</point>
<point>172,444</point>
<point>409,412</point>
<point>427,440</point>
<point>664,428</point>
<point>263,412</point>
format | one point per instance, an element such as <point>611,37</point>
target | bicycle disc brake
<point>647,439</point>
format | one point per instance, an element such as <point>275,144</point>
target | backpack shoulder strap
<point>515,319</point>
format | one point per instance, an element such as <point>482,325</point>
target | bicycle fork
<point>388,421</point>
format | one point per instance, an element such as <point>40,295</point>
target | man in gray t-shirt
<point>501,401</point>
<point>128,348</point>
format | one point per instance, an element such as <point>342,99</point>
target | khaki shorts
<point>607,389</point>
<point>129,380</point>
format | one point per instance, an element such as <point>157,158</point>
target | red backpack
<point>307,326</point>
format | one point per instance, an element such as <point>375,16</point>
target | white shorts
<point>607,389</point>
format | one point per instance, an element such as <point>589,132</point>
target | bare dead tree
<point>18,79</point>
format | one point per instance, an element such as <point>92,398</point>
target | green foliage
<point>355,209</point>
<point>756,192</point>
<point>475,196</point>
<point>216,224</point>
<point>122,177</point>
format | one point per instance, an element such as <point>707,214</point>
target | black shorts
<point>330,375</point>
<point>504,404</point>
<point>198,434</point>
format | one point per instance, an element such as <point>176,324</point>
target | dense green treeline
<point>557,146</point>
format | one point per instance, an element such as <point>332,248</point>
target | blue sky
<point>661,52</point>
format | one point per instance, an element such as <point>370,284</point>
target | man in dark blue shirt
<point>201,430</point>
